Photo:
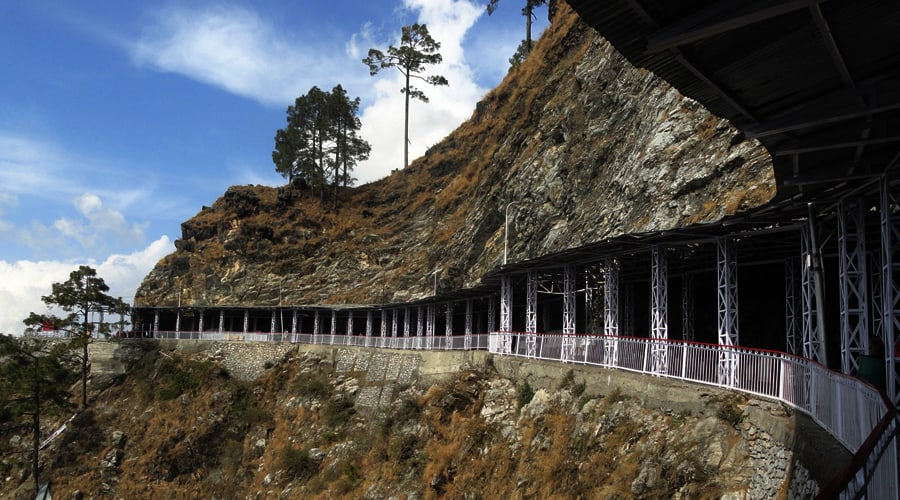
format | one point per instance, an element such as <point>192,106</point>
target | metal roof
<point>817,82</point>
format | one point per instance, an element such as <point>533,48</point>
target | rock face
<point>180,424</point>
<point>586,145</point>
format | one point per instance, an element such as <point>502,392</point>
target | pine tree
<point>417,49</point>
<point>82,294</point>
<point>35,376</point>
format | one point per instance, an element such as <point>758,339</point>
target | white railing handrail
<point>848,408</point>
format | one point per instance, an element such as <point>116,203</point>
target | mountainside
<point>182,425</point>
<point>588,146</point>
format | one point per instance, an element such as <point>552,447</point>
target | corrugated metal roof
<point>817,82</point>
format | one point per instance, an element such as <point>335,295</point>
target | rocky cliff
<point>588,146</point>
<point>180,424</point>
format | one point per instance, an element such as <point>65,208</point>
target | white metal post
<point>854,288</point>
<point>569,311</point>
<point>890,284</point>
<point>793,309</point>
<point>727,300</point>
<point>659,309</point>
<point>611,309</point>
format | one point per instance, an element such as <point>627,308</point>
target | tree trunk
<point>406,126</point>
<point>528,13</point>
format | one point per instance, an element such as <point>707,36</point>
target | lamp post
<point>506,231</point>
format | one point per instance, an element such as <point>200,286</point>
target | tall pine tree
<point>417,49</point>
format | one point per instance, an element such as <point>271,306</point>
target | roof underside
<point>817,82</point>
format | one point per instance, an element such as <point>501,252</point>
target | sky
<point>121,120</point>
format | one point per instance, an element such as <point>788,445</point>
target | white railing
<point>440,343</point>
<point>848,408</point>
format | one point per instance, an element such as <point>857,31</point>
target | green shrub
<point>297,463</point>
<point>526,394</point>
<point>730,412</point>
<point>338,412</point>
<point>312,385</point>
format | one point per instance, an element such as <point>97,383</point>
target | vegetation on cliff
<point>591,146</point>
<point>180,426</point>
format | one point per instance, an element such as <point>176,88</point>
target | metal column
<point>506,297</point>
<point>531,302</point>
<point>468,340</point>
<point>854,289</point>
<point>492,313</point>
<point>406,314</point>
<point>611,308</point>
<point>333,325</point>
<point>448,326</point>
<point>568,339</point>
<point>792,308</point>
<point>178,320</point>
<point>531,313</point>
<point>429,326</point>
<point>317,325</point>
<point>349,326</point>
<point>687,306</point>
<point>890,284</point>
<point>810,328</point>
<point>659,310</point>
<point>727,301</point>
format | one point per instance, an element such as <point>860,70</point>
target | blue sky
<point>120,120</point>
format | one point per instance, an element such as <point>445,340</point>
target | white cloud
<point>98,224</point>
<point>232,48</point>
<point>448,22</point>
<point>25,282</point>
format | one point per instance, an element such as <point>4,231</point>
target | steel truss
<point>659,309</point>
<point>333,324</point>
<point>448,325</point>
<point>506,296</point>
<point>727,300</point>
<point>349,326</point>
<point>890,284</point>
<point>467,343</point>
<point>687,306</point>
<point>569,304</point>
<point>420,320</point>
<point>406,314</point>
<point>854,289</point>
<point>811,341</point>
<point>429,326</point>
<point>611,308</point>
<point>792,307</point>
<point>531,302</point>
<point>531,298</point>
